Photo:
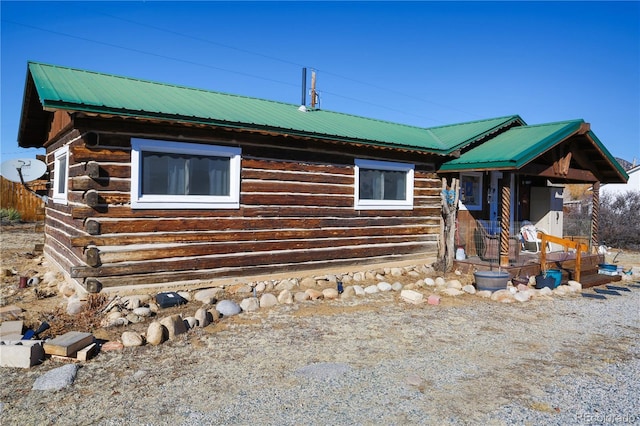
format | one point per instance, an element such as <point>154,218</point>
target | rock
<point>314,294</point>
<point>532,281</point>
<point>131,338</point>
<point>301,296</point>
<point>358,276</point>
<point>384,286</point>
<point>106,323</point>
<point>285,297</point>
<point>380,277</point>
<point>332,278</point>
<point>287,285</point>
<point>429,282</point>
<point>133,318</point>
<point>433,299</point>
<point>439,281</point>
<point>371,289</point>
<point>522,287</point>
<point>469,289</point>
<point>250,304</point>
<point>545,291</point>
<point>562,290</point>
<point>50,277</point>
<point>112,345</point>
<point>348,292</point>
<point>56,379</point>
<point>330,293</point>
<point>156,333</point>
<point>522,296</point>
<point>190,322</point>
<point>504,296</point>
<point>413,274</point>
<point>228,308</point>
<point>268,300</point>
<point>208,296</point>
<point>307,282</point>
<point>369,276</point>
<point>131,302</point>
<point>358,290</point>
<point>454,284</point>
<point>452,291</point>
<point>214,314</point>
<point>484,293</point>
<point>154,307</point>
<point>66,289</point>
<point>113,315</point>
<point>575,286</point>
<point>419,284</point>
<point>203,317</point>
<point>142,312</point>
<point>397,286</point>
<point>260,287</point>
<point>240,289</point>
<point>74,307</point>
<point>411,296</point>
<point>174,325</point>
<point>396,272</point>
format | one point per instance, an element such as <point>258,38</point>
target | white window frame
<point>61,197</point>
<point>477,204</point>
<point>159,201</point>
<point>406,204</point>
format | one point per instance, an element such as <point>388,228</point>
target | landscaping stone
<point>268,300</point>
<point>371,289</point>
<point>208,296</point>
<point>314,294</point>
<point>469,289</point>
<point>202,316</point>
<point>250,304</point>
<point>56,379</point>
<point>358,290</point>
<point>174,325</point>
<point>285,297</point>
<point>301,296</point>
<point>156,333</point>
<point>228,308</point>
<point>131,338</point>
<point>433,299</point>
<point>384,286</point>
<point>330,293</point>
<point>411,296</point>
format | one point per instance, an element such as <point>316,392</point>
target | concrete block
<point>411,296</point>
<point>11,328</point>
<point>21,354</point>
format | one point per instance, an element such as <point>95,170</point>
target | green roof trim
<point>515,147</point>
<point>86,91</point>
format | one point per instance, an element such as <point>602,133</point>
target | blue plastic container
<point>551,279</point>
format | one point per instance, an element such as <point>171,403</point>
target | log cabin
<point>153,183</point>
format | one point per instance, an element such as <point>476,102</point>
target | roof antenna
<point>303,107</point>
<point>315,98</point>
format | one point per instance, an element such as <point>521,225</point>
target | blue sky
<point>419,63</point>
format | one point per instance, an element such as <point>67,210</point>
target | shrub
<point>11,215</point>
<point>619,224</point>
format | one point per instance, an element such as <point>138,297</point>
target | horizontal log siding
<point>294,214</point>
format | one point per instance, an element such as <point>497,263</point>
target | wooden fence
<point>13,195</point>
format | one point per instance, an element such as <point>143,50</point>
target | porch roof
<point>50,87</point>
<point>540,149</point>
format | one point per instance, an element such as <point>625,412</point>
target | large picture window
<point>184,175</point>
<point>383,185</point>
<point>60,173</point>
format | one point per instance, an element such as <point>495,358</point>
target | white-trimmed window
<point>383,185</point>
<point>60,173</point>
<point>178,175</point>
<point>471,190</point>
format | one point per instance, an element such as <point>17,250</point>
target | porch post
<point>595,212</point>
<point>505,211</point>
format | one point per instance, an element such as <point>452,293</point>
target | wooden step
<point>593,280</point>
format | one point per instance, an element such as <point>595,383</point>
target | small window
<point>60,173</point>
<point>176,175</point>
<point>471,190</point>
<point>383,185</point>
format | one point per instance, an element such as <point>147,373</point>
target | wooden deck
<point>528,265</point>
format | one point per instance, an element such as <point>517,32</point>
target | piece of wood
<point>87,352</point>
<point>68,344</point>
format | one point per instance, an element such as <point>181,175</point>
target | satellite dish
<point>29,168</point>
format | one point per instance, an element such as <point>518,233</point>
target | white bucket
<point>460,254</point>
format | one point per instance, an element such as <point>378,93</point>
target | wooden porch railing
<point>567,244</point>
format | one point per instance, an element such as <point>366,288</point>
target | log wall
<point>296,212</point>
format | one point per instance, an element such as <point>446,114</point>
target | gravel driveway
<point>372,360</point>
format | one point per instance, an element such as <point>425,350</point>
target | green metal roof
<point>79,90</point>
<point>514,148</point>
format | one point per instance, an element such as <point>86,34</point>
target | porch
<point>480,241</point>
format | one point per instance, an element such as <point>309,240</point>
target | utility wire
<point>194,63</point>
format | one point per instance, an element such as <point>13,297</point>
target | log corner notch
<point>92,256</point>
<point>92,227</point>
<point>92,169</point>
<point>446,248</point>
<point>92,285</point>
